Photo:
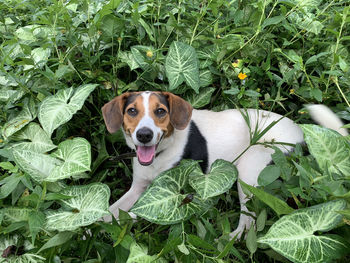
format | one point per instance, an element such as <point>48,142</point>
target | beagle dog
<point>163,129</point>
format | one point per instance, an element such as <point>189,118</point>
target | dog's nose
<point>144,135</point>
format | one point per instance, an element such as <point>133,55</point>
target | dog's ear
<point>113,112</point>
<point>180,111</point>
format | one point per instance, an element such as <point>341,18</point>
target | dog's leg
<point>249,167</point>
<point>128,199</point>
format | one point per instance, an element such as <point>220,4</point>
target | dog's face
<point>147,118</point>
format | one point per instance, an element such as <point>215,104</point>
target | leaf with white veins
<point>293,236</point>
<point>88,204</point>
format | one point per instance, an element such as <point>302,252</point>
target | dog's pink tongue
<point>146,153</point>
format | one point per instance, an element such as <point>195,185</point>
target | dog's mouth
<point>146,154</point>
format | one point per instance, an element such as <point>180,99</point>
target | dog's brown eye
<point>132,112</point>
<point>160,112</point>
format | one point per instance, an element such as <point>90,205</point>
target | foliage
<point>60,61</point>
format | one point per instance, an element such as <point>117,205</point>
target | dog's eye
<point>160,112</point>
<point>132,112</point>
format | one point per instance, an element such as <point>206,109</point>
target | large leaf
<point>57,109</point>
<point>76,155</point>
<point>27,114</point>
<point>72,158</point>
<point>88,204</point>
<point>294,237</point>
<point>181,65</point>
<point>330,149</point>
<point>162,202</point>
<point>220,179</point>
<point>138,254</point>
<point>33,138</point>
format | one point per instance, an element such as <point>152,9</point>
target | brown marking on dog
<point>180,111</point>
<point>163,122</point>
<point>113,112</point>
<point>130,122</point>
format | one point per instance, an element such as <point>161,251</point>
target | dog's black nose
<point>144,135</point>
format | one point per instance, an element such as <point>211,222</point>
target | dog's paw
<point>245,223</point>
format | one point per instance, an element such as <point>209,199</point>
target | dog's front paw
<point>245,223</point>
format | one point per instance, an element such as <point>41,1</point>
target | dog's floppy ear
<point>180,111</point>
<point>113,113</point>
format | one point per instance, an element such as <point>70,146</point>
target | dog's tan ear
<point>180,111</point>
<point>113,113</point>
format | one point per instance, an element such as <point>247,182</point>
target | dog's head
<point>147,118</point>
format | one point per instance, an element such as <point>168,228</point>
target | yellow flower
<point>291,91</point>
<point>242,76</point>
<point>1,141</point>
<point>149,53</point>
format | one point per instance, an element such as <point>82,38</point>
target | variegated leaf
<point>57,109</point>
<point>88,204</point>
<point>33,138</point>
<point>220,179</point>
<point>163,202</point>
<point>293,236</point>
<point>182,65</point>
<point>330,149</point>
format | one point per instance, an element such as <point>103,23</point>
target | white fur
<point>325,117</point>
<point>227,135</point>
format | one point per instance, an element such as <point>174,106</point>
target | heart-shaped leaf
<point>57,109</point>
<point>72,158</point>
<point>76,155</point>
<point>166,200</point>
<point>88,204</point>
<point>27,114</point>
<point>33,138</point>
<point>181,65</point>
<point>220,179</point>
<point>138,254</point>
<point>293,235</point>
<point>201,99</point>
<point>330,149</point>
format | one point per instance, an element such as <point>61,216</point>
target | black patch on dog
<point>196,147</point>
<point>130,100</point>
<point>163,99</point>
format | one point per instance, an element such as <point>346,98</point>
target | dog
<point>163,129</point>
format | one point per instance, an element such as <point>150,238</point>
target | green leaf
<point>330,149</point>
<point>36,221</point>
<point>293,236</point>
<point>27,114</point>
<point>33,138</point>
<point>111,24</point>
<point>138,254</point>
<point>272,21</point>
<point>15,214</point>
<point>181,65</point>
<point>201,99</point>
<point>72,158</point>
<point>205,78</point>
<point>261,220</point>
<point>251,243</point>
<point>140,56</point>
<point>88,204</point>
<point>162,202</point>
<point>40,56</point>
<point>269,174</point>
<point>275,203</point>
<point>57,109</point>
<point>219,180</point>
<point>57,240</point>
<point>200,243</point>
<point>108,8</point>
<point>9,184</point>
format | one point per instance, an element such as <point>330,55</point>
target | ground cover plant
<point>61,61</point>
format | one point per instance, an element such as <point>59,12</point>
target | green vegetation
<point>61,61</point>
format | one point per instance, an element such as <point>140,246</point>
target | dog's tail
<point>327,118</point>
